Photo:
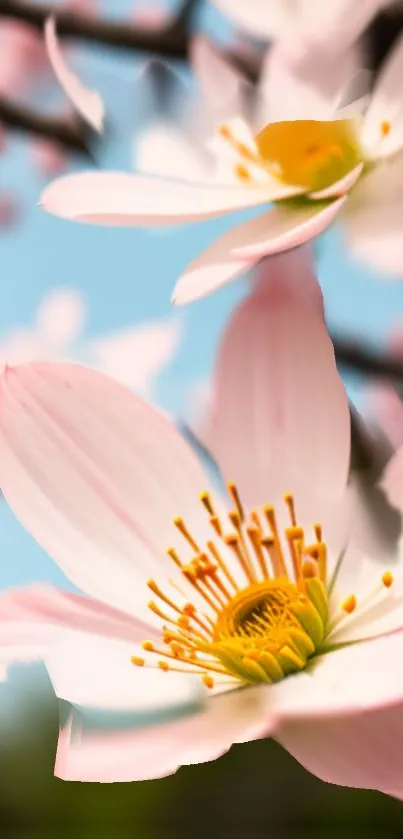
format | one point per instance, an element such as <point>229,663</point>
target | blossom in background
<point>301,25</point>
<point>134,355</point>
<point>257,625</point>
<point>316,160</point>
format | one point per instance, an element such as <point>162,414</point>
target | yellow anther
<point>385,128</point>
<point>308,569</point>
<point>242,172</point>
<point>139,662</point>
<point>289,500</point>
<point>148,646</point>
<point>163,666</point>
<point>224,131</point>
<point>349,604</point>
<point>180,524</point>
<point>207,503</point>
<point>387,579</point>
<point>208,682</point>
<point>234,495</point>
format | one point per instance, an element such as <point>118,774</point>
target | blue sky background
<point>127,276</point>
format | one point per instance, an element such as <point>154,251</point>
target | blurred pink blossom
<point>134,355</point>
<point>9,210</point>
<point>48,158</point>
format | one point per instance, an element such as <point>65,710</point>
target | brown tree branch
<point>356,357</point>
<point>170,41</point>
<point>69,133</point>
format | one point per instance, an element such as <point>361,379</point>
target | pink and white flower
<point>315,161</point>
<point>252,630</point>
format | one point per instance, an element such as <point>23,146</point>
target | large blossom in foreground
<point>314,160</point>
<point>251,625</point>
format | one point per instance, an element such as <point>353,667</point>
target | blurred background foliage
<point>256,791</point>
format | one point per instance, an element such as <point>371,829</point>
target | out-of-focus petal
<point>220,83</point>
<point>382,133</point>
<point>88,753</point>
<point>87,102</point>
<point>97,476</point>
<point>349,742</point>
<point>165,151</point>
<point>257,17</point>
<point>329,27</point>
<point>392,480</point>
<point>217,265</point>
<point>32,616</point>
<point>118,198</point>
<point>373,217</point>
<point>238,250</point>
<point>340,187</point>
<point>309,89</point>
<point>278,400</point>
<point>288,227</point>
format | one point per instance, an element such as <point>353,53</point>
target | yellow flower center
<point>258,630</point>
<point>309,153</point>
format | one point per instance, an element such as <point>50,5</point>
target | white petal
<point>257,17</point>
<point>218,80</point>
<point>117,198</point>
<point>373,219</point>
<point>287,227</point>
<point>217,265</point>
<point>98,673</point>
<point>165,151</point>
<point>308,89</point>
<point>330,27</point>
<point>386,107</point>
<point>88,753</point>
<point>31,617</point>
<point>278,399</point>
<point>348,682</point>
<point>87,102</point>
<point>238,250</point>
<point>97,476</point>
<point>340,187</point>
<point>363,748</point>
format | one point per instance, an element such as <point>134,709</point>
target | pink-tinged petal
<point>32,616</point>
<point>218,265</point>
<point>167,152</point>
<point>98,673</point>
<point>287,227</point>
<point>277,396</point>
<point>382,132</point>
<point>220,83</point>
<point>363,752</point>
<point>258,18</point>
<point>87,102</point>
<point>348,682</point>
<point>97,476</point>
<point>201,735</point>
<point>324,29</point>
<point>309,88</point>
<point>340,187</point>
<point>348,717</point>
<point>238,250</point>
<point>118,198</point>
<point>373,219</point>
<point>392,480</point>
